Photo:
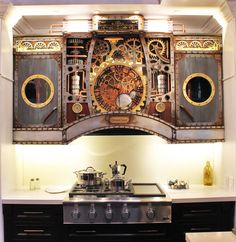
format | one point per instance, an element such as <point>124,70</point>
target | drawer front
<point>117,232</point>
<point>33,232</point>
<point>32,223</point>
<point>204,226</point>
<point>33,213</point>
<point>196,211</point>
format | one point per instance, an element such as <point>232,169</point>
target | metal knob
<point>108,212</point>
<point>92,214</point>
<point>75,214</point>
<point>125,214</point>
<point>150,213</point>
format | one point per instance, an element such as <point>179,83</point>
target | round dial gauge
<point>77,108</point>
<point>118,88</point>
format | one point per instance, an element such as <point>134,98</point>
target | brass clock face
<point>118,88</point>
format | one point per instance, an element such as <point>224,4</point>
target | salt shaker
<point>37,183</point>
<point>32,184</point>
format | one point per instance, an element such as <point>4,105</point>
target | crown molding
<point>212,26</point>
<point>59,2</point>
<point>228,9</point>
<point>3,9</point>
<point>22,27</point>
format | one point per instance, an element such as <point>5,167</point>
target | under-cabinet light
<point>77,26</point>
<point>158,25</point>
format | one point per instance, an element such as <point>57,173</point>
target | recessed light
<point>137,12</point>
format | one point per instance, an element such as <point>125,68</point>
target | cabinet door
<point>37,90</point>
<point>201,217</point>
<point>198,89</point>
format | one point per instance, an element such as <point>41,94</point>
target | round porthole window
<point>198,89</point>
<point>37,90</point>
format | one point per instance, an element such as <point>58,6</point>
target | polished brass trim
<point>37,105</point>
<point>77,108</point>
<point>198,45</point>
<point>160,107</point>
<point>189,78</point>
<point>37,46</point>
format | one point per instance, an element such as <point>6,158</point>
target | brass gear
<point>101,48</point>
<point>156,47</point>
<point>118,83</point>
<point>134,47</point>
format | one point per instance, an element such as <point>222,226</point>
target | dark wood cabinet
<point>201,217</point>
<point>32,223</point>
<point>36,223</point>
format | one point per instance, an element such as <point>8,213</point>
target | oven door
<point>118,232</point>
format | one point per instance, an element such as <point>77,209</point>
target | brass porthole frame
<point>37,105</point>
<point>188,79</point>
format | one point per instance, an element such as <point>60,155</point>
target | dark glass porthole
<point>37,91</point>
<point>198,89</point>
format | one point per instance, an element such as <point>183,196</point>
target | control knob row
<point>125,213</point>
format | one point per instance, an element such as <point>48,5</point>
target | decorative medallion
<point>77,108</point>
<point>118,87</point>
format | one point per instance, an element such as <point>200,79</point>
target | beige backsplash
<point>148,158</point>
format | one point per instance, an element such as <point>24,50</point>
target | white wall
<point>7,150</point>
<point>228,173</point>
<point>149,159</point>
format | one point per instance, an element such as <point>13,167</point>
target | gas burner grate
<point>134,189</point>
<point>98,190</point>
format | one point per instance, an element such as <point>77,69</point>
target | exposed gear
<point>96,62</point>
<point>120,52</point>
<point>156,47</point>
<point>101,48</point>
<point>118,86</point>
<point>134,49</point>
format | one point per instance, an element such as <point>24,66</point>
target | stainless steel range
<point>115,201</point>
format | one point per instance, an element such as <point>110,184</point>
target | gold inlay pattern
<point>37,46</point>
<point>198,45</point>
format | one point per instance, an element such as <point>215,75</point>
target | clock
<point>118,88</point>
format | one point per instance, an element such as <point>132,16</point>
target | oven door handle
<point>85,231</point>
<point>152,231</point>
<point>149,231</point>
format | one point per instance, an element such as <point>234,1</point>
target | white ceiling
<point>194,15</point>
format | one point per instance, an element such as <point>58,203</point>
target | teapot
<point>117,169</point>
<point>117,182</point>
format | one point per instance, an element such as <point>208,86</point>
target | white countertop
<point>25,196</point>
<point>211,237</point>
<point>196,193</point>
<point>200,193</point>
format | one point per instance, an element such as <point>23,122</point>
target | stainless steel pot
<point>89,176</point>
